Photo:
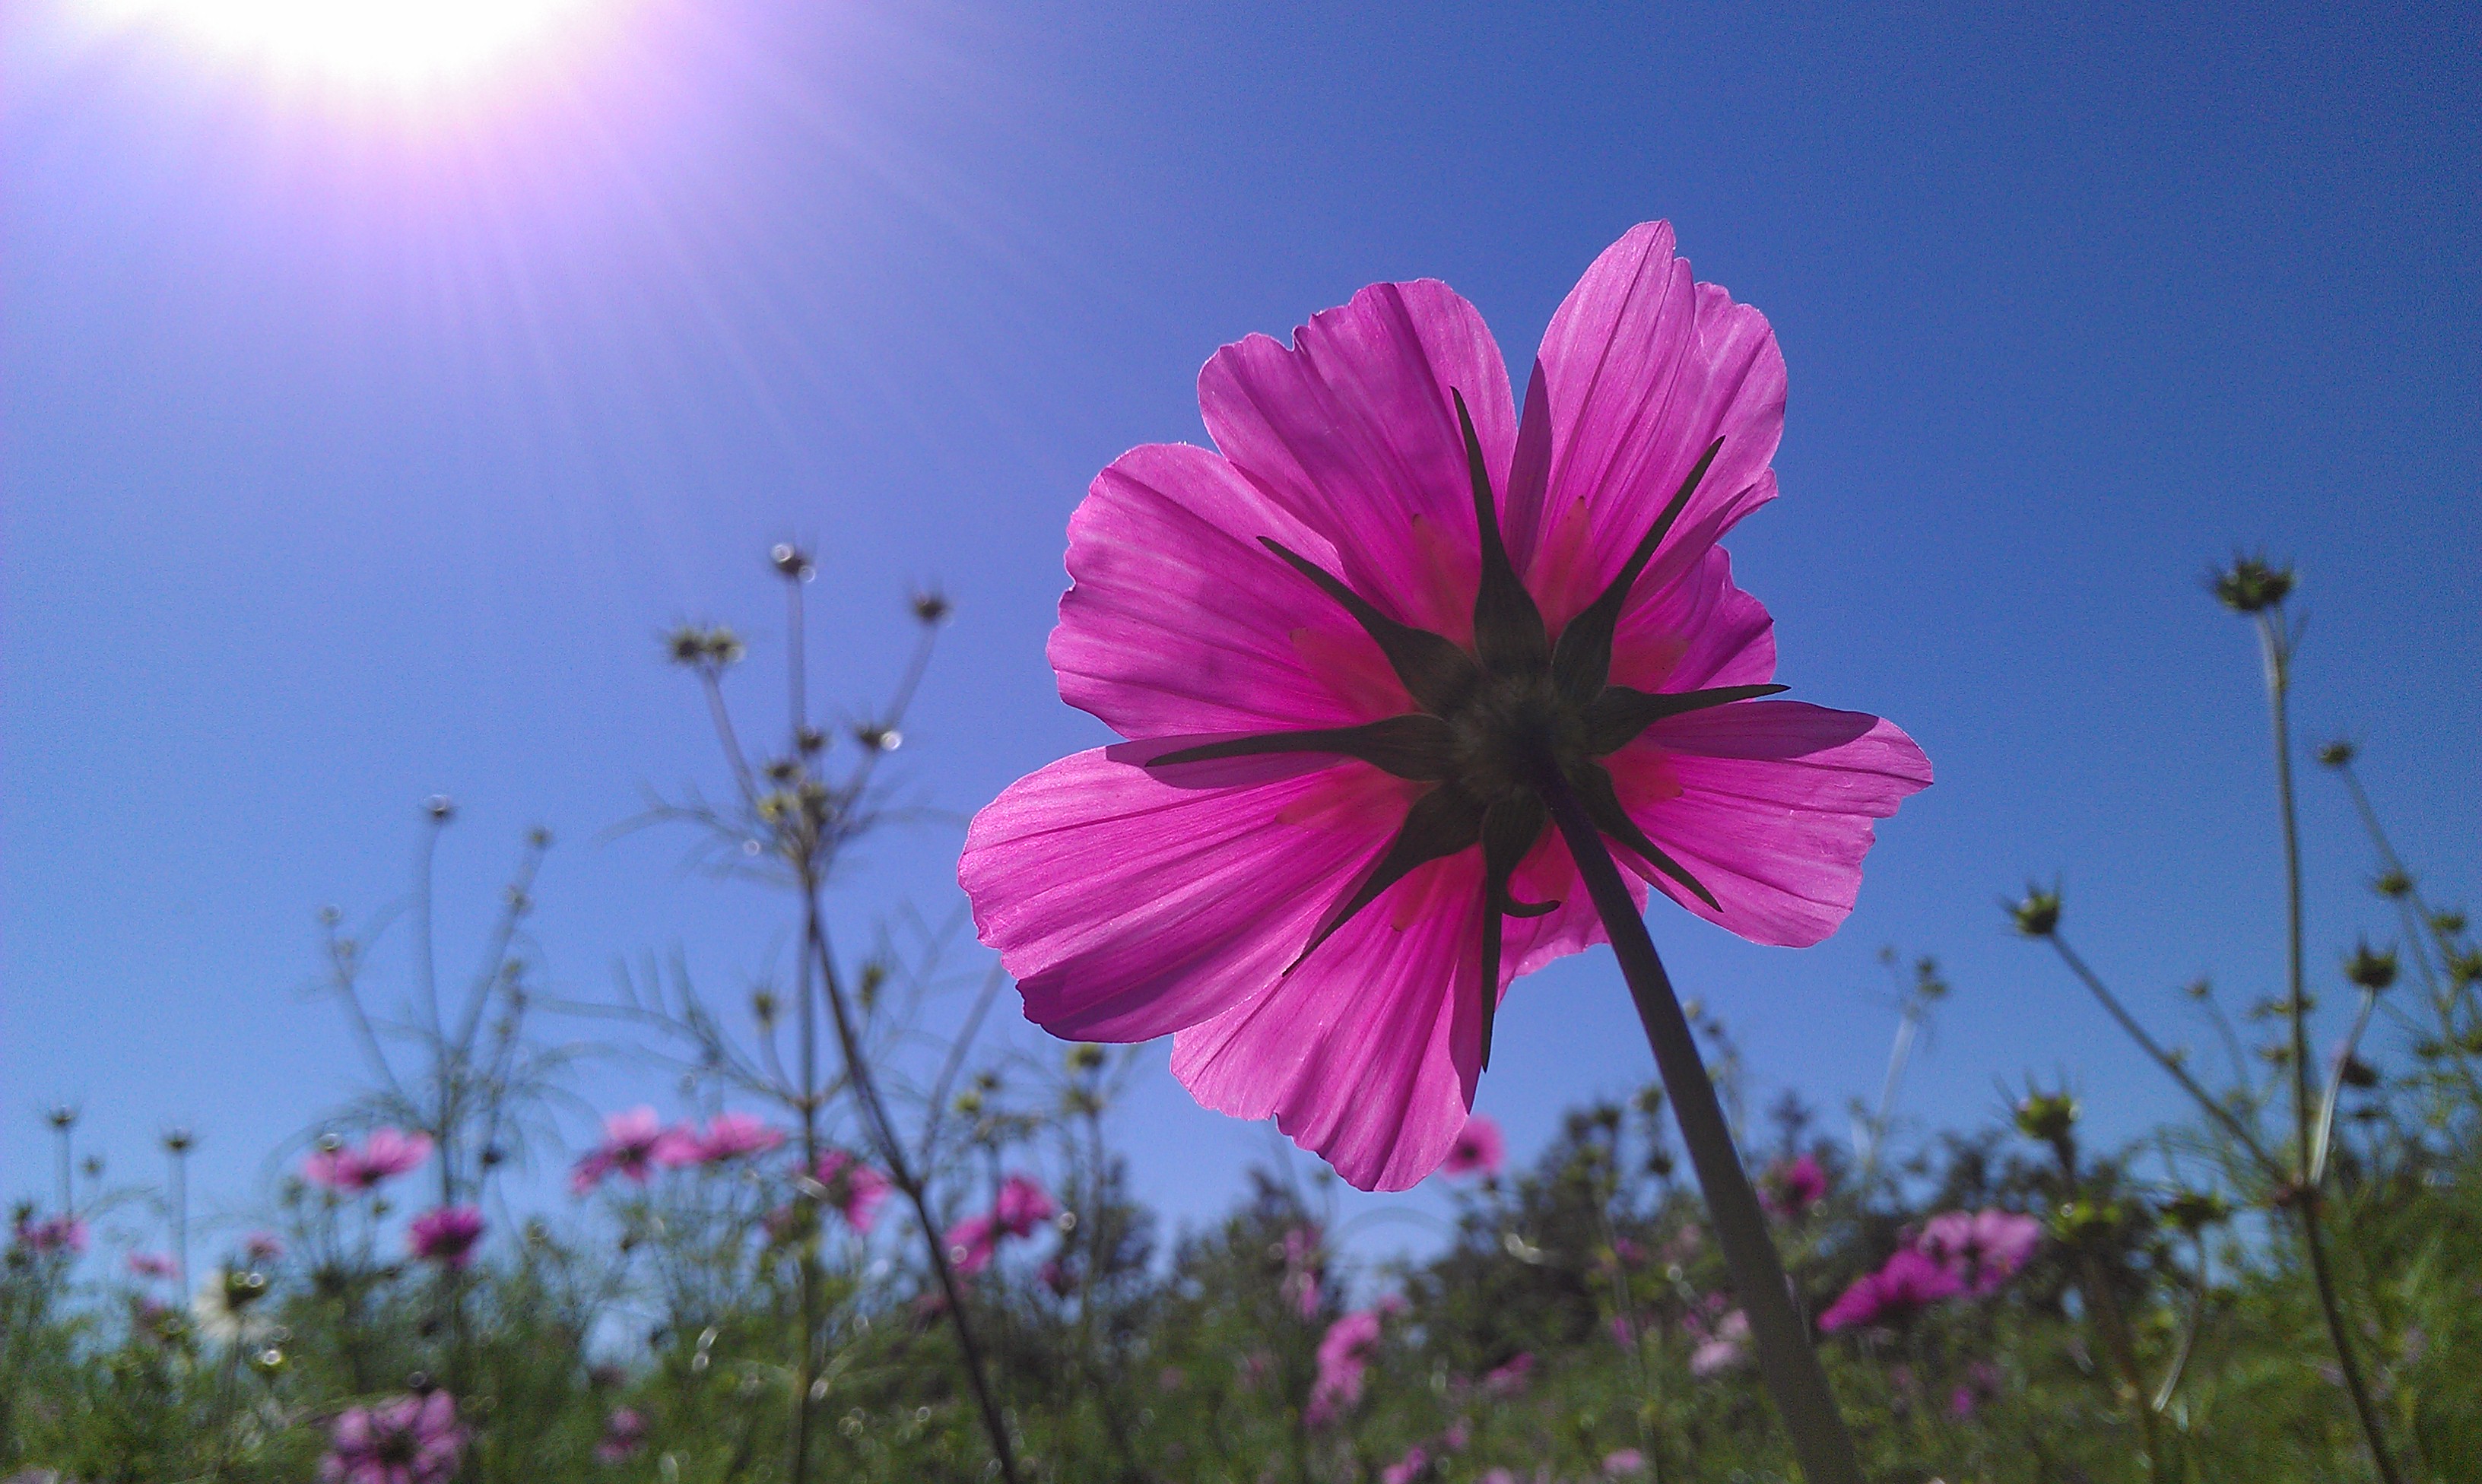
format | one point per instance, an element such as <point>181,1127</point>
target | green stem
<point>2279,682</point>
<point>1786,1363</point>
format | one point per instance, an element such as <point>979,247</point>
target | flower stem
<point>1787,1362</point>
<point>2278,646</point>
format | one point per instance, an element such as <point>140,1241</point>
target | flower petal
<point>1645,367</point>
<point>1351,430</point>
<point>1769,805</point>
<point>1697,632</point>
<point>1129,904</point>
<point>1367,1052</point>
<point>1182,621</point>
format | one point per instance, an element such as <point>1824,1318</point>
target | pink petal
<point>1366,1054</point>
<point>1769,805</point>
<point>1697,632</point>
<point>1129,906</point>
<point>1643,368</point>
<point>1182,621</point>
<point>1353,430</point>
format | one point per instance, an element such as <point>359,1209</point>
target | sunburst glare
<point>391,44</point>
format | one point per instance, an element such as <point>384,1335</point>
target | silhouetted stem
<point>1787,1362</point>
<point>2278,648</point>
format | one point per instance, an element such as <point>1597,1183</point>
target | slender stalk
<point>891,1149</point>
<point>62,1120</point>
<point>1787,1362</point>
<point>2278,649</point>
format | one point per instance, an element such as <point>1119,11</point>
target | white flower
<point>223,1308</point>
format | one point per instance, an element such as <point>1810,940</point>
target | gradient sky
<point>358,448</point>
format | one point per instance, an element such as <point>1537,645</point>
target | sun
<point>379,43</point>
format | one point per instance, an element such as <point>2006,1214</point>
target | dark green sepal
<point>1583,661</point>
<point>1508,626</point>
<point>1509,831</point>
<point>1618,717</point>
<point>1602,801</point>
<point>1442,822</point>
<point>1414,746</point>
<point>1435,671</point>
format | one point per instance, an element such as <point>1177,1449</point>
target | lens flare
<point>392,44</point>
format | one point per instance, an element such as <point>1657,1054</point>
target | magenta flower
<point>1978,1389</point>
<point>854,1189</point>
<point>1791,1188</point>
<point>1304,1259</point>
<point>263,1247</point>
<point>624,1433</point>
<point>735,1135</point>
<point>1023,1205</point>
<point>1619,1463</point>
<point>633,1144</point>
<point>386,1155</point>
<point>1510,1378</point>
<point>1407,1469</point>
<point>971,1244</point>
<point>151,1264</point>
<point>1478,1149</point>
<point>1343,1355</point>
<point>1908,1284</point>
<point>51,1235</point>
<point>404,1440</point>
<point>1347,647</point>
<point>1983,1249</point>
<point>445,1235</point>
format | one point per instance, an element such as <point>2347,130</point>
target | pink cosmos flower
<point>445,1235</point>
<point>1510,1378</point>
<point>1405,1469</point>
<point>854,1189</point>
<point>728,1136</point>
<point>263,1247</point>
<point>1021,1204</point>
<point>971,1244</point>
<point>1791,1188</point>
<point>151,1264</point>
<point>1343,1355</point>
<point>1478,1149</point>
<point>1346,646</point>
<point>624,1433</point>
<point>1726,1347</point>
<point>386,1155</point>
<point>51,1235</point>
<point>1908,1284</point>
<point>1979,1388</point>
<point>1983,1249</point>
<point>404,1440</point>
<point>1619,1463</point>
<point>633,1144</point>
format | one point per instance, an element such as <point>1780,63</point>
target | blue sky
<point>357,452</point>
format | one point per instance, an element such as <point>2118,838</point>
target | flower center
<point>1508,728</point>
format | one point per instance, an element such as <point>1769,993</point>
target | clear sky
<point>358,446</point>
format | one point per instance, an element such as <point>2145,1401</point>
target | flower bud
<point>2356,1072</point>
<point>685,645</point>
<point>931,607</point>
<point>62,1116</point>
<point>2392,884</point>
<point>2038,913</point>
<point>440,807</point>
<point>2251,584</point>
<point>2336,754</point>
<point>791,561</point>
<point>2372,971</point>
<point>1085,1056</point>
<point>2195,1210</point>
<point>2047,1117</point>
<point>2448,922</point>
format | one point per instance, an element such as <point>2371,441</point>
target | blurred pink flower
<point>404,1440</point>
<point>633,1143</point>
<point>1343,1355</point>
<point>1510,1378</point>
<point>263,1247</point>
<point>624,1433</point>
<point>1407,1469</point>
<point>151,1264</point>
<point>1316,862</point>
<point>728,1136</point>
<point>1022,1204</point>
<point>1304,1259</point>
<point>51,1235</point>
<point>1725,1347</point>
<point>445,1235</point>
<point>1905,1285</point>
<point>1477,1150</point>
<point>1983,1249</point>
<point>971,1244</point>
<point>1979,1388</point>
<point>854,1189</point>
<point>386,1155</point>
<point>1791,1188</point>
<point>1623,1462</point>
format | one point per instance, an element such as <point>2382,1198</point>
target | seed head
<point>2251,584</point>
<point>2449,923</point>
<point>62,1117</point>
<point>2372,971</point>
<point>686,645</point>
<point>2037,913</point>
<point>1085,1056</point>
<point>791,561</point>
<point>441,808</point>
<point>179,1140</point>
<point>931,607</point>
<point>2336,754</point>
<point>2465,968</point>
<point>878,738</point>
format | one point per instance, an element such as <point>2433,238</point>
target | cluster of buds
<point>2251,584</point>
